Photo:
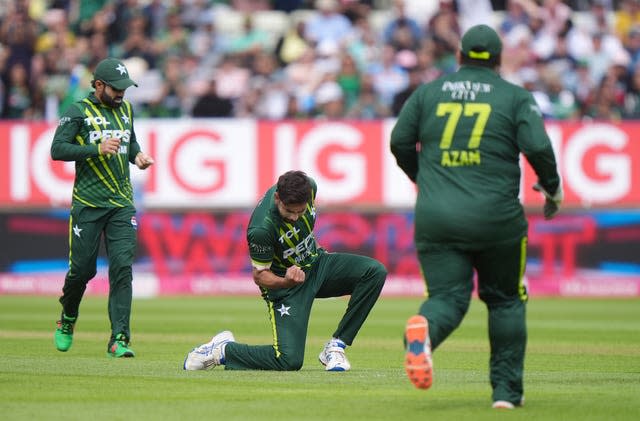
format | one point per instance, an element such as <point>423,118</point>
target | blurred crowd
<point>293,59</point>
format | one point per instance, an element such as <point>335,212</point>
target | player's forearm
<point>267,279</point>
<point>407,159</point>
<point>134,149</point>
<point>544,165</point>
<point>63,151</point>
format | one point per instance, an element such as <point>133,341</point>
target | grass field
<point>583,363</point>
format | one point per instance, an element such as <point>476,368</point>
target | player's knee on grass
<point>291,362</point>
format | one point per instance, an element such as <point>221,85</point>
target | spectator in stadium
<point>268,95</point>
<point>425,62</point>
<point>98,29</point>
<point>155,13</point>
<point>292,271</point>
<point>173,41</point>
<point>402,27</point>
<point>554,15</point>
<point>292,44</point>
<point>329,24</point>
<point>444,31</point>
<point>562,102</point>
<point>172,96</point>
<point>137,43</point>
<point>474,12</point>
<point>232,77</point>
<point>626,17</point>
<point>211,104</point>
<point>364,45</point>
<point>389,77</point>
<point>287,6</point>
<point>606,103</point>
<point>205,43</point>
<point>368,105</point>
<point>350,80</point>
<point>329,101</point>
<point>415,80</point>
<point>468,214</point>
<point>18,35</point>
<point>102,203</point>
<point>631,108</point>
<point>19,104</point>
<point>249,43</point>
<point>303,76</point>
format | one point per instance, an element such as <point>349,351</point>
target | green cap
<point>112,72</point>
<point>481,42</point>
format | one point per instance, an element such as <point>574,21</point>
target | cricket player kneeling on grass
<point>291,271</point>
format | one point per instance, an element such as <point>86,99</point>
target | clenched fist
<point>109,146</point>
<point>143,161</point>
<point>294,275</point>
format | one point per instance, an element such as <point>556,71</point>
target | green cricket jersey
<point>101,181</point>
<point>277,244</point>
<point>459,138</point>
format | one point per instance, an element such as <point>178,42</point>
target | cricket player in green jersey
<point>292,271</point>
<point>97,133</point>
<point>459,138</point>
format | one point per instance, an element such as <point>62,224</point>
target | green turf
<point>583,363</point>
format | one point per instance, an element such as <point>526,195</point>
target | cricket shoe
<point>119,347</point>
<point>332,356</point>
<point>210,354</point>
<point>418,364</point>
<point>63,337</point>
<point>507,405</point>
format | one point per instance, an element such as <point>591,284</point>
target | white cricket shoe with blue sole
<point>333,358</point>
<point>210,354</point>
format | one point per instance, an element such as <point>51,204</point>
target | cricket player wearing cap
<point>97,134</point>
<point>459,138</point>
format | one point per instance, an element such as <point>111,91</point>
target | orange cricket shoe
<point>418,363</point>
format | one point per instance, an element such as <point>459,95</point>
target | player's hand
<point>109,146</point>
<point>143,161</point>
<point>551,202</point>
<point>294,275</point>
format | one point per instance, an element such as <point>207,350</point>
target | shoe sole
<point>125,355</point>
<point>503,405</point>
<point>417,363</point>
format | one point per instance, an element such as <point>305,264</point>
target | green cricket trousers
<point>331,275</point>
<point>86,226</point>
<point>448,274</point>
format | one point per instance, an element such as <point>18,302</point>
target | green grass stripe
<point>583,363</point>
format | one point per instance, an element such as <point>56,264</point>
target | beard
<point>110,101</point>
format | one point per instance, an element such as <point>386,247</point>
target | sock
<point>68,318</point>
<point>222,352</point>
<point>338,342</point>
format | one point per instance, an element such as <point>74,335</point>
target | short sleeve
<point>261,248</point>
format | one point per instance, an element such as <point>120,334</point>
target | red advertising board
<point>222,163</point>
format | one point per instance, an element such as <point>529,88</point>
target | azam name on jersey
<point>101,180</point>
<point>463,90</point>
<point>276,244</point>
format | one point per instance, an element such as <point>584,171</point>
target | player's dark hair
<point>490,63</point>
<point>294,188</point>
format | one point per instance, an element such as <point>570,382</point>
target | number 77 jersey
<point>460,138</point>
